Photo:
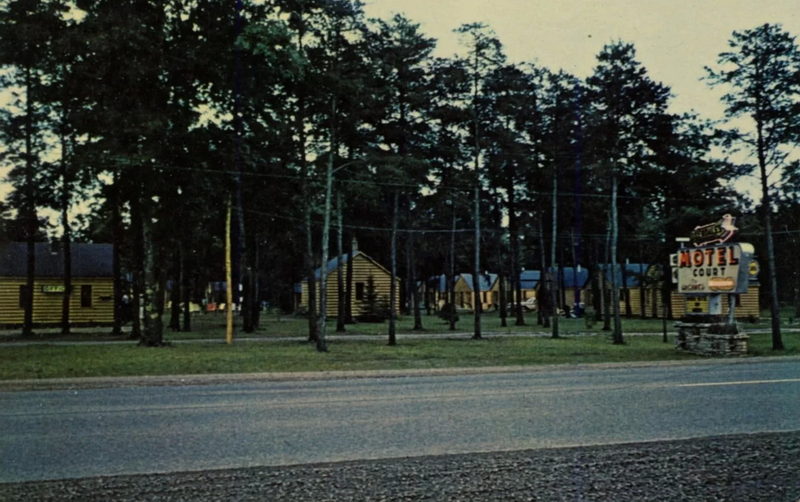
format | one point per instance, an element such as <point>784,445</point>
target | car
<point>529,304</point>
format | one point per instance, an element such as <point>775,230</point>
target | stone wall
<point>696,338</point>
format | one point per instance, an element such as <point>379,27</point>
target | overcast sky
<point>674,39</point>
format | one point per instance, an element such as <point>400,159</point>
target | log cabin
<point>367,274</point>
<point>91,296</point>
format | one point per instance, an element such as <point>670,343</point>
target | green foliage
<point>448,313</point>
<point>376,306</point>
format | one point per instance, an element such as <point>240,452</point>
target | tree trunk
<point>186,296</point>
<point>543,315</point>
<point>340,317</point>
<point>116,237</point>
<point>308,252</point>
<point>451,281</point>
<point>175,293</point>
<point>308,259</point>
<point>393,284</point>
<point>554,259</point>
<point>408,289</point>
<point>617,333</point>
<point>766,203</point>
<point>66,240</point>
<point>606,303</point>
<point>138,267</point>
<point>152,299</point>
<point>503,311</point>
<point>228,275</point>
<point>412,278</point>
<point>326,223</point>
<point>626,294</point>
<point>476,264</point>
<point>796,299</point>
<point>29,210</point>
<point>348,304</point>
<point>576,299</point>
<point>255,282</point>
<point>513,235</point>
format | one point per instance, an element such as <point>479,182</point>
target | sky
<point>674,39</point>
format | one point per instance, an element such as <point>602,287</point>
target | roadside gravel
<point>732,468</point>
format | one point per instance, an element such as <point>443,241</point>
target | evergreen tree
<point>402,92</point>
<point>28,30</point>
<point>626,107</point>
<point>484,53</point>
<point>760,73</point>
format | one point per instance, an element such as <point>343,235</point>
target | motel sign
<point>721,269</point>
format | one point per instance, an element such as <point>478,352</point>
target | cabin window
<point>359,291</point>
<point>86,295</point>
<point>22,290</point>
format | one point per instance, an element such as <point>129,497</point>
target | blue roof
<point>575,277</point>
<point>486,281</point>
<point>529,279</point>
<point>633,273</point>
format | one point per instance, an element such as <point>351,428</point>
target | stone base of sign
<point>711,339</point>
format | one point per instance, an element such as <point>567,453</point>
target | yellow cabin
<point>92,295</point>
<point>529,283</point>
<point>746,306</point>
<point>643,295</point>
<point>490,291</point>
<point>367,274</point>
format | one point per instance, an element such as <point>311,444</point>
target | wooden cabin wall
<point>653,305</point>
<point>465,296</point>
<point>363,268</point>
<point>47,306</point>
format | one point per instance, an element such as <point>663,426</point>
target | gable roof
<point>440,283</point>
<point>633,274</point>
<point>88,260</point>
<point>529,279</point>
<point>575,277</point>
<point>485,281</point>
<point>335,262</point>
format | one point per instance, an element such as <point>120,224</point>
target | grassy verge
<point>212,326</point>
<point>51,361</point>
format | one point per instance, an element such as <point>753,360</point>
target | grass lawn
<point>80,360</point>
<point>212,326</point>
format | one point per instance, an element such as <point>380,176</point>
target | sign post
<point>712,268</point>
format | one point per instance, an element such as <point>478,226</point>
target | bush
<point>448,313</point>
<point>376,307</point>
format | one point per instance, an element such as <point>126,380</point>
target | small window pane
<point>86,296</point>
<point>23,289</point>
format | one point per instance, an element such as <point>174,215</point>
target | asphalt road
<point>111,431</point>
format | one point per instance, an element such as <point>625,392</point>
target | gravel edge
<point>738,467</point>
